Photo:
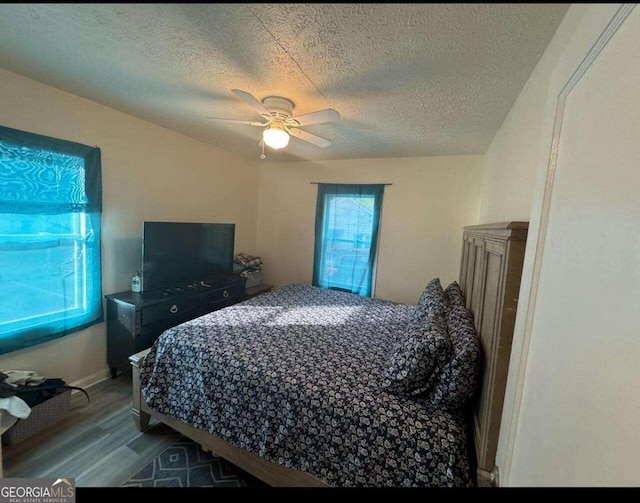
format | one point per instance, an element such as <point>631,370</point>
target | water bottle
<point>136,283</point>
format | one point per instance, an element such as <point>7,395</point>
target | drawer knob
<point>225,294</point>
<point>173,309</point>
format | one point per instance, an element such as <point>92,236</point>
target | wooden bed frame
<point>490,270</point>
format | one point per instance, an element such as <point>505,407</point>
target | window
<point>50,208</point>
<point>347,218</point>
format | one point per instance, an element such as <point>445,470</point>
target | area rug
<point>185,464</point>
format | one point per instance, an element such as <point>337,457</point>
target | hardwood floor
<point>97,443</point>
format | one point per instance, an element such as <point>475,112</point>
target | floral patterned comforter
<point>294,375</point>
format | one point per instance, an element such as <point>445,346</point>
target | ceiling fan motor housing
<point>280,108</point>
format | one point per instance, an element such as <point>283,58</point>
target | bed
<point>292,386</point>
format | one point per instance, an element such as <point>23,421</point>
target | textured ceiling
<point>407,79</point>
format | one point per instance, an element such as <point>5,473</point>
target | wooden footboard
<point>140,417</point>
<point>269,472</point>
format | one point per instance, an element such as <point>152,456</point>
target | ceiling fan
<point>279,121</point>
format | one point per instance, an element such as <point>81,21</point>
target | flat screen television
<point>175,253</point>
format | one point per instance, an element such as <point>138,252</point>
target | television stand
<point>136,320</point>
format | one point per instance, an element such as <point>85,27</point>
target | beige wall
<point>148,173</point>
<point>521,146</point>
<point>570,400</point>
<point>423,213</point>
<point>510,164</point>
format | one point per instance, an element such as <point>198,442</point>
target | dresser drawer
<point>176,307</point>
<point>222,294</point>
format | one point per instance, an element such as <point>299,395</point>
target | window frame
<point>79,308</point>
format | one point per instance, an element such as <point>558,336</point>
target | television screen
<point>177,252</point>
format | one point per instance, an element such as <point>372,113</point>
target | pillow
<point>417,359</point>
<point>432,301</point>
<point>458,379</point>
<point>454,295</point>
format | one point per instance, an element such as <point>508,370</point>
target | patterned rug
<point>185,464</point>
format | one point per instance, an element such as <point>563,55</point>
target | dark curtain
<point>50,210</point>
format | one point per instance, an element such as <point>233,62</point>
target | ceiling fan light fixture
<point>275,136</point>
<point>280,121</point>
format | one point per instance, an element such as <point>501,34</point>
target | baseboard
<point>91,380</point>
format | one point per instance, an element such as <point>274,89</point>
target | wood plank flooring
<point>97,443</point>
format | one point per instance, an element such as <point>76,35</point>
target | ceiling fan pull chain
<point>262,156</point>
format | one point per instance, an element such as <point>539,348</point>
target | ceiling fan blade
<point>311,138</point>
<point>235,121</point>
<point>327,115</point>
<point>252,102</point>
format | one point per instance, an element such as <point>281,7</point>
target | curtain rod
<point>333,183</point>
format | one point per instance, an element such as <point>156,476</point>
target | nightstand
<point>257,290</point>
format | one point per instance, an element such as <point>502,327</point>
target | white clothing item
<point>15,406</point>
<point>6,420</point>
<point>28,377</point>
